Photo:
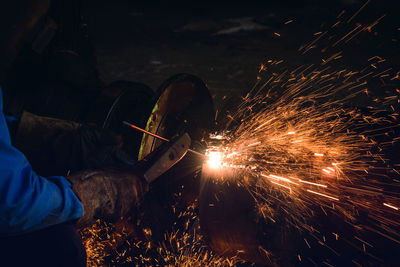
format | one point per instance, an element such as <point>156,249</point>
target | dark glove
<point>57,147</point>
<point>107,195</point>
<point>99,148</point>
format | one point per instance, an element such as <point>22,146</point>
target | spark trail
<point>313,137</point>
<point>308,150</point>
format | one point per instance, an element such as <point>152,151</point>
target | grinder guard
<point>184,106</point>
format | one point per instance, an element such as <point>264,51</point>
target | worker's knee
<point>59,245</point>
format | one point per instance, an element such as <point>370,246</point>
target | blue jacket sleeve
<point>29,202</point>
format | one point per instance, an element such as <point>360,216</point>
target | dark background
<point>152,40</point>
<point>222,42</point>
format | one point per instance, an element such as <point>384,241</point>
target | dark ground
<point>225,43</point>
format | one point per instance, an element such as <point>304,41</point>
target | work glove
<point>107,194</point>
<point>112,194</point>
<point>58,147</point>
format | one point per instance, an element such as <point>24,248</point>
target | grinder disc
<point>184,106</point>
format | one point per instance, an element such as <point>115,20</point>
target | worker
<point>55,175</point>
<point>38,215</point>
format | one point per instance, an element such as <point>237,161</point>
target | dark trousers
<point>59,245</point>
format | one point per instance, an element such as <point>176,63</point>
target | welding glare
<point>214,160</point>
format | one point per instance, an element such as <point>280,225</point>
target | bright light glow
<point>217,136</point>
<point>390,206</point>
<point>327,171</point>
<point>214,159</point>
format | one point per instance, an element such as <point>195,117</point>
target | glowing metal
<point>214,160</point>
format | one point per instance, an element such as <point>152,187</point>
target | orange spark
<point>323,195</point>
<point>327,171</point>
<point>284,186</point>
<point>311,183</point>
<point>391,206</point>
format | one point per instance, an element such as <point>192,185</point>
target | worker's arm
<point>28,201</point>
<point>58,147</point>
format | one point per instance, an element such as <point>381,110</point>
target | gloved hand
<point>107,194</point>
<point>100,148</point>
<point>57,147</point>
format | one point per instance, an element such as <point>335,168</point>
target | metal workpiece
<point>231,223</point>
<point>227,215</point>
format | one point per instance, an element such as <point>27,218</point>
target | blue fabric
<point>12,119</point>
<point>29,202</point>
<point>12,123</point>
